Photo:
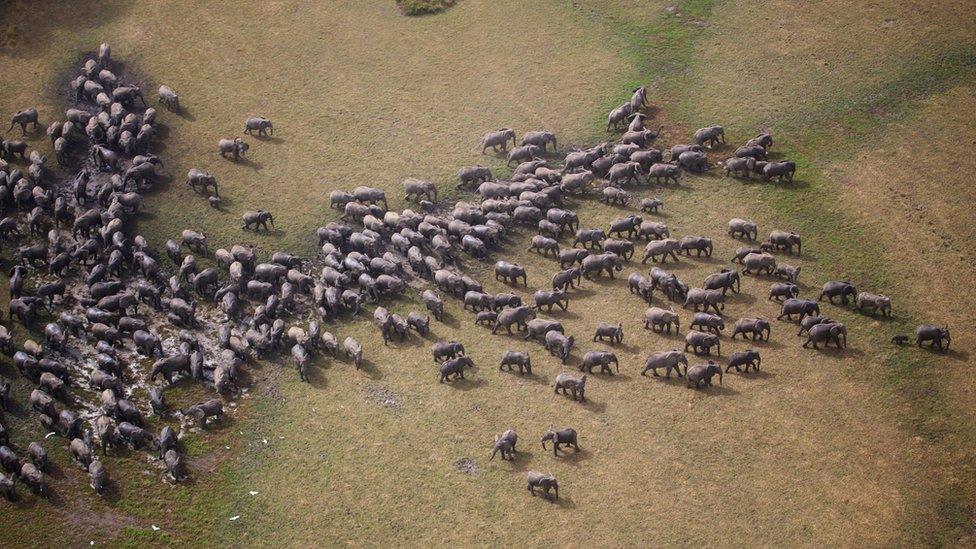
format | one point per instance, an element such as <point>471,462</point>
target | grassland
<point>868,447</point>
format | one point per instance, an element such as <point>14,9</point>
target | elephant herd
<point>103,292</point>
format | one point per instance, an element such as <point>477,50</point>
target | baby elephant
<point>562,437</point>
<point>613,332</point>
<point>701,375</point>
<point>543,481</point>
<point>571,385</point>
<point>505,444</point>
<point>747,358</point>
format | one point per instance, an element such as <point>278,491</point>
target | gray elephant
<point>708,322</point>
<point>498,139</point>
<point>212,408</point>
<point>669,360</point>
<point>739,166</point>
<point>582,159</point>
<point>473,175</point>
<point>570,385</point>
<point>700,245</point>
<point>235,147</point>
<point>786,240</point>
<point>802,307</point>
<point>523,153</point>
<point>825,332</point>
<point>518,316</point>
<point>23,118</point>
<point>505,444</point>
<point>935,336</point>
<point>544,245</point>
<point>662,248</point>
<point>624,173</point>
<point>596,264</point>
<point>543,481</point>
<point>603,359</point>
<point>723,280</point>
<point>198,178</point>
<point>836,288</point>
<point>510,273</point>
<point>869,303</point>
<point>780,290</point>
<point>693,161</point>
<point>619,115</point>
<point>257,219</point>
<point>710,136</point>
<point>754,151</point>
<point>764,140</point>
<point>641,138</point>
<point>779,170</point>
<point>578,183</point>
<point>700,375</point>
<point>646,158</point>
<point>744,359</point>
<point>354,350</point>
<point>785,271</point>
<point>659,320</point>
<point>540,139</point>
<point>559,344</point>
<point>550,299</point>
<point>613,332</point>
<point>742,228</point>
<point>653,230</point>
<point>455,367</point>
<point>258,124</point>
<point>702,343</point>
<point>758,262</point>
<point>705,299</point>
<point>415,188</point>
<point>759,328</point>
<point>168,98</point>
<point>564,437</point>
<point>510,359</point>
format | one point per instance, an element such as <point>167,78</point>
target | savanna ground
<point>870,446</point>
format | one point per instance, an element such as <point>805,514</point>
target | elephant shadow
<point>249,163</point>
<point>572,456</point>
<point>467,383</point>
<point>185,114</point>
<point>371,369</point>
<point>564,503</point>
<point>743,298</point>
<point>754,374</point>
<point>521,462</point>
<point>956,354</point>
<point>596,407</point>
<point>615,377</point>
<point>717,391</point>
<point>316,378</point>
<point>624,347</point>
<point>269,139</point>
<point>582,293</point>
<point>534,377</point>
<point>449,320</point>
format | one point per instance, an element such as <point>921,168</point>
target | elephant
<point>758,262</point>
<point>582,159</point>
<point>646,158</point>
<point>300,353</point>
<point>570,385</point>
<point>764,140</point>
<point>615,195</point>
<point>802,307</point>
<point>641,285</point>
<point>663,248</point>
<point>693,161</point>
<point>434,304</point>
<point>415,188</point>
<point>564,437</point>
<point>936,336</point>
<point>787,272</point>
<point>34,479</point>
<point>258,219</point>
<point>455,367</point>
<point>259,124</point>
<point>669,360</point>
<point>619,115</point>
<point>170,365</point>
<point>448,281</point>
<point>540,139</point>
<point>758,327</point>
<point>786,290</point>
<point>10,149</point>
<point>836,288</point>
<point>516,358</point>
<point>659,320</point>
<point>710,135</point>
<point>825,332</point>
<point>38,456</point>
<point>613,332</point>
<point>146,343</point>
<point>168,98</point>
<point>235,147</point>
<point>700,375</point>
<point>23,118</point>
<point>505,444</point>
<point>354,350</point>
<point>596,264</point>
<point>469,175</point>
<point>197,178</point>
<point>783,240</point>
<point>510,273</point>
<point>174,465</point>
<point>700,244</point>
<point>591,238</point>
<point>544,482</point>
<point>81,452</point>
<point>702,343</point>
<point>339,199</point>
<point>650,205</point>
<point>101,380</point>
<point>754,151</point>
<point>724,280</point>
<point>537,328</point>
<point>708,322</point>
<point>549,299</point>
<point>705,299</point>
<point>653,230</point>
<point>624,173</point>
<point>779,170</point>
<point>498,138</point>
<point>477,301</point>
<point>638,100</point>
<point>571,256</point>
<point>523,153</point>
<point>544,245</point>
<point>677,150</point>
<point>127,95</point>
<point>212,408</point>
<point>577,183</point>
<point>674,289</point>
<point>446,350</point>
<point>868,302</point>
<point>740,228</point>
<point>628,225</point>
<point>740,166</point>
<point>601,359</point>
<point>564,280</point>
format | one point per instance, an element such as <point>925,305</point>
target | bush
<point>423,7</point>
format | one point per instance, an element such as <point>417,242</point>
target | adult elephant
<point>786,240</point>
<point>711,135</point>
<point>257,219</point>
<point>258,124</point>
<point>23,118</point>
<point>498,138</point>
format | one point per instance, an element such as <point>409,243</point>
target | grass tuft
<point>424,7</point>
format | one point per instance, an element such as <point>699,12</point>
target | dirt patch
<point>467,466</point>
<point>424,7</point>
<point>382,396</point>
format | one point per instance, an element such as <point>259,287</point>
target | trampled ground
<point>872,446</point>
